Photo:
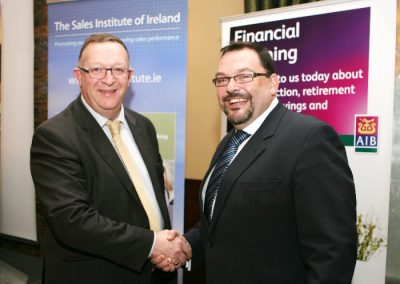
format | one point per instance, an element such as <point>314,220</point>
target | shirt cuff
<point>154,242</point>
<point>188,265</point>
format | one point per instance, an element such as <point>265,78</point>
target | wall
<point>16,186</point>
<point>393,255</point>
<point>203,114</point>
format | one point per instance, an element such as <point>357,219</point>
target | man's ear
<point>78,75</point>
<point>130,74</point>
<point>274,83</point>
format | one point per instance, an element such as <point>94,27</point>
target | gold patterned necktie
<point>133,171</point>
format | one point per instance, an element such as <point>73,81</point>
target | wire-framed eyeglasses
<point>100,72</point>
<point>239,78</point>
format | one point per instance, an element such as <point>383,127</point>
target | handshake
<point>171,251</point>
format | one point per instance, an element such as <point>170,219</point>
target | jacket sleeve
<point>325,205</point>
<point>72,215</point>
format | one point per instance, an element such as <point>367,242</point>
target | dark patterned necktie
<point>219,171</point>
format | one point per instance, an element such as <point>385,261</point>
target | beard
<point>234,117</point>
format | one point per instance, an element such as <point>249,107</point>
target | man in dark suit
<point>284,210</point>
<point>98,227</point>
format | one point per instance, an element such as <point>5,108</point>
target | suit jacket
<point>286,208</point>
<point>96,228</point>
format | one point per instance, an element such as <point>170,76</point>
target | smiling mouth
<point>236,100</point>
<point>107,92</point>
<point>233,100</point>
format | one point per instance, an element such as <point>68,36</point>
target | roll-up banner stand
<point>336,62</point>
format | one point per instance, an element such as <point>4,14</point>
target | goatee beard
<point>238,119</point>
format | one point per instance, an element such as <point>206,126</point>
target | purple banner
<point>322,62</point>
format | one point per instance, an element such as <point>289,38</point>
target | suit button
<point>210,245</point>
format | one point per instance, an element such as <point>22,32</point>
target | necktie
<point>133,171</point>
<point>219,171</point>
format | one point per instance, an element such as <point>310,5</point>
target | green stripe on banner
<point>347,140</point>
<point>367,150</point>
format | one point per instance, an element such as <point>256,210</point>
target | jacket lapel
<point>141,139</point>
<point>250,152</point>
<point>217,154</point>
<point>102,145</point>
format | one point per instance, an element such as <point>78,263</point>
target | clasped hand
<point>171,250</point>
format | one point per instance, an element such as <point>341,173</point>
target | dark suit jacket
<point>286,209</point>
<point>96,228</point>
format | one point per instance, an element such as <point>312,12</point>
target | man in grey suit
<point>284,209</point>
<point>97,224</point>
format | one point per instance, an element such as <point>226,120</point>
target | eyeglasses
<point>239,78</point>
<point>100,72</point>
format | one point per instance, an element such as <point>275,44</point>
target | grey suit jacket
<point>285,211</point>
<point>96,228</point>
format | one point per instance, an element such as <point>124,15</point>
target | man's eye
<point>221,80</point>
<point>96,70</point>
<point>244,76</point>
<point>119,70</point>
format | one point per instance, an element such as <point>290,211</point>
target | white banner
<point>337,63</point>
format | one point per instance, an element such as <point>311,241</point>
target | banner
<point>315,78</point>
<point>155,34</point>
<point>335,63</point>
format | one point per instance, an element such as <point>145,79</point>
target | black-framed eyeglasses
<point>100,72</point>
<point>239,78</point>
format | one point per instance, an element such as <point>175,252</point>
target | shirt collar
<point>101,120</point>
<point>253,127</point>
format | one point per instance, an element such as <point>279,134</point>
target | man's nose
<point>109,76</point>
<point>232,85</point>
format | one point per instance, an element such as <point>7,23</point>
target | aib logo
<point>366,133</point>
